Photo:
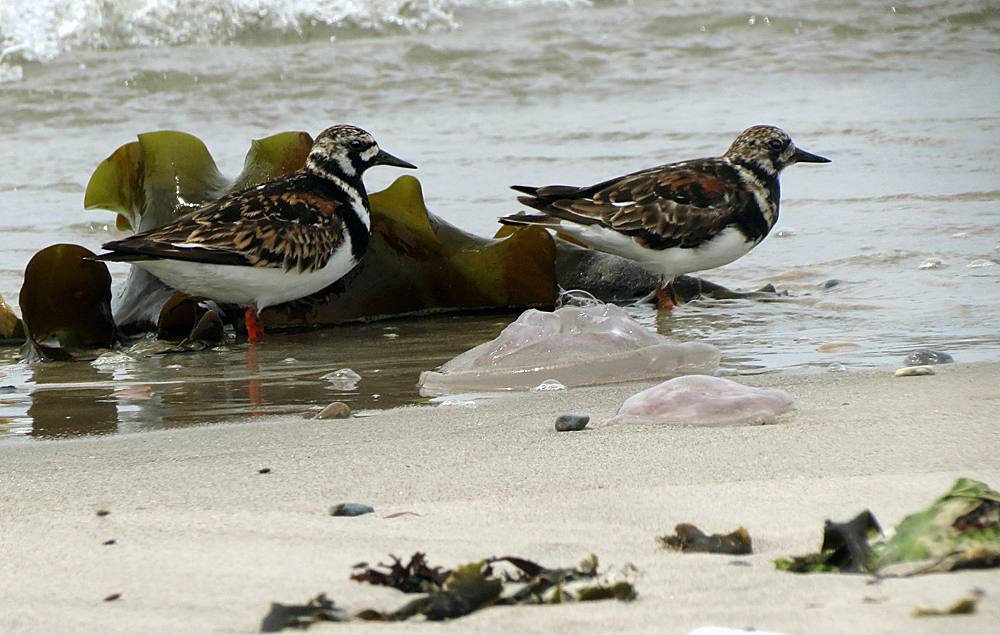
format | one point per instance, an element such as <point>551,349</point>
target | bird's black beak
<point>384,158</point>
<point>801,156</point>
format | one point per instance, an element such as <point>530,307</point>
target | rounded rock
<point>351,509</point>
<point>914,371</point>
<point>336,410</point>
<point>572,421</point>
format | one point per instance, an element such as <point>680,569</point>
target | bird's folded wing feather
<point>288,230</point>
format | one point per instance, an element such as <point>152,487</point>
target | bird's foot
<point>665,294</point>
<point>255,327</point>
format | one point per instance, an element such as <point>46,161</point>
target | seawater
<point>893,246</point>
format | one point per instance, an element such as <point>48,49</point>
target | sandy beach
<point>204,541</point>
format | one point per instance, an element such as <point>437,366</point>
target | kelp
<point>10,325</point>
<point>845,549</point>
<point>181,312</point>
<point>416,263</point>
<point>960,530</point>
<point>301,616</point>
<point>966,517</point>
<point>964,606</point>
<point>467,588</point>
<point>689,538</point>
<point>67,298</point>
<point>454,593</point>
<point>413,577</point>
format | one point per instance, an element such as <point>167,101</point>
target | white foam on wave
<point>39,30</point>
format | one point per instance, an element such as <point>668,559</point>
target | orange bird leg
<point>665,294</point>
<point>255,327</point>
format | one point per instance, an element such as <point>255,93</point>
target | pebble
<point>572,421</point>
<point>351,509</point>
<point>336,410</point>
<point>926,357</point>
<point>914,371</point>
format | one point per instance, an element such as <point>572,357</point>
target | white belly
<point>670,263</point>
<point>249,286</point>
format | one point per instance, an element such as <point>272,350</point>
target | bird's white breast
<point>719,251</point>
<point>250,286</point>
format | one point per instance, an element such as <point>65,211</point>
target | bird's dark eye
<point>356,144</point>
<point>776,144</point>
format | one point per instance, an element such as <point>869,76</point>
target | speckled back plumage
<point>292,223</point>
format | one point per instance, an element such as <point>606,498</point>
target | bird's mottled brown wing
<point>668,206</point>
<point>262,227</point>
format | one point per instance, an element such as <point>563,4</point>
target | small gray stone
<point>336,410</point>
<point>351,509</point>
<point>914,371</point>
<point>926,357</point>
<point>572,421</point>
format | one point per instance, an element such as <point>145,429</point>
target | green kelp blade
<point>469,588</point>
<point>116,185</point>
<point>10,326</point>
<point>966,517</point>
<point>65,296</point>
<point>418,263</point>
<point>153,181</point>
<point>272,157</point>
<point>178,174</point>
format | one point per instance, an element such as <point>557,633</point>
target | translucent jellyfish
<point>574,346</point>
<point>699,400</point>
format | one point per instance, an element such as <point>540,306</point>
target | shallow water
<point>483,94</point>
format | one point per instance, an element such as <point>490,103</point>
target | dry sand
<point>204,542</point>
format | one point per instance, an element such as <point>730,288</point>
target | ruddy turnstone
<point>278,241</point>
<point>680,217</point>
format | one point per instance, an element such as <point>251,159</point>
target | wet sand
<point>204,542</point>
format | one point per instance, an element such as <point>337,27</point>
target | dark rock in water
<point>830,284</point>
<point>208,329</point>
<point>572,421</point>
<point>609,278</point>
<point>351,509</point>
<point>336,410</point>
<point>688,288</point>
<point>926,357</point>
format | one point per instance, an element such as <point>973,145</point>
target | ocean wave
<point>39,30</point>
